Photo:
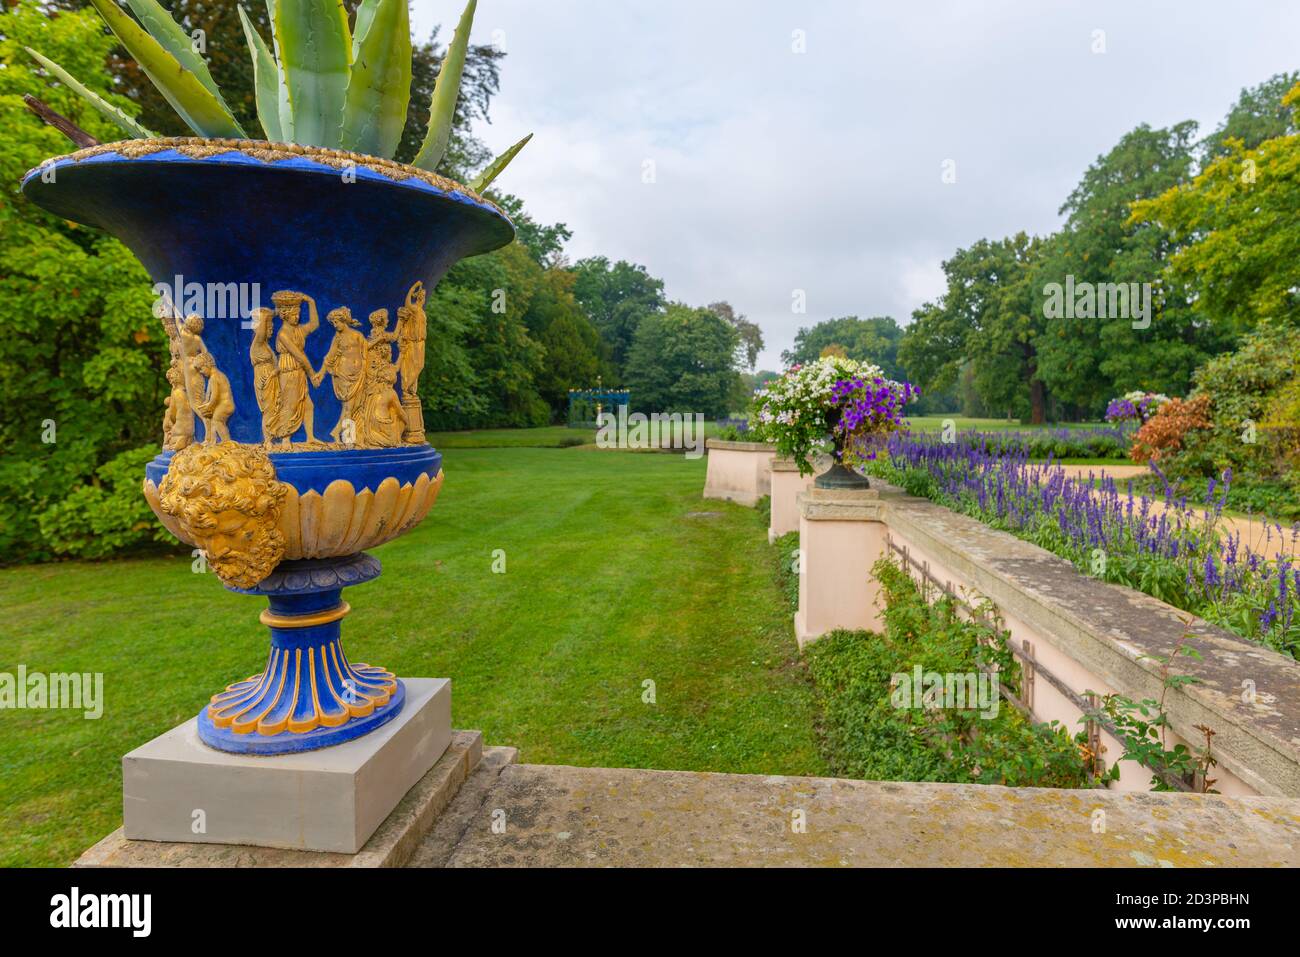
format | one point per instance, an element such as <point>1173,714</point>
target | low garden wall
<point>786,484</point>
<point>1075,635</point>
<point>739,471</point>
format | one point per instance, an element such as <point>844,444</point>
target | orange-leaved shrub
<point>1165,430</point>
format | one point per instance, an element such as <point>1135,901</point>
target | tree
<point>988,319</point>
<point>1259,114</point>
<point>1101,350</point>
<point>1236,233</point>
<point>617,297</point>
<point>866,340</point>
<point>751,336</point>
<point>683,360</point>
<point>82,358</point>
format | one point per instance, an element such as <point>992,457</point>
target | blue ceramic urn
<point>292,283</point>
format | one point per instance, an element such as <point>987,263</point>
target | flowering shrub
<point>1165,431</point>
<point>1135,406</point>
<point>1171,550</point>
<point>832,403</point>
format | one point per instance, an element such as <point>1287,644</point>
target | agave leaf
<point>365,13</point>
<point>380,87</point>
<point>446,90</point>
<point>172,38</point>
<point>282,85</point>
<point>101,105</point>
<point>206,115</point>
<point>314,45</point>
<point>484,179</point>
<point>266,81</point>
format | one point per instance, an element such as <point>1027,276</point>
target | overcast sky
<point>773,170</point>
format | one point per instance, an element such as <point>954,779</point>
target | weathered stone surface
<point>437,846</point>
<point>1117,633</point>
<point>563,816</point>
<point>391,845</point>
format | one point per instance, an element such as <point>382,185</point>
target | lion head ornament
<point>227,501</point>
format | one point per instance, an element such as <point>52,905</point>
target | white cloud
<point>821,171</point>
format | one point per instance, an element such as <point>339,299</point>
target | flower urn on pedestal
<point>293,437</point>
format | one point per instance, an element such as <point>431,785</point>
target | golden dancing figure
<point>296,373</point>
<point>412,331</point>
<point>346,364</point>
<point>266,372</point>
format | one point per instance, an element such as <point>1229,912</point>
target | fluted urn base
<point>309,695</point>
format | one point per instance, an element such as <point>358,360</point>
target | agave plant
<point>321,83</point>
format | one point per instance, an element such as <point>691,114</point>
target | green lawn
<point>618,572</point>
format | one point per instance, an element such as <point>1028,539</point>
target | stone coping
<point>723,444</point>
<point>601,817</point>
<point>840,505</point>
<point>820,464</point>
<point>1108,629</point>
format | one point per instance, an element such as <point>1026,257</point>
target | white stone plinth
<point>327,800</point>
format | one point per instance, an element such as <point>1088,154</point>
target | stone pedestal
<point>414,433</point>
<point>841,535</point>
<point>176,788</point>
<point>786,484</point>
<point>738,471</point>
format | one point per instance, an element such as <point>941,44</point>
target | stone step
<point>565,816</point>
<point>438,845</point>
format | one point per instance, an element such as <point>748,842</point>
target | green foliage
<point>107,517</point>
<point>1141,728</point>
<point>873,340</point>
<point>82,358</point>
<point>987,321</point>
<point>617,296</point>
<point>683,360</point>
<point>1085,360</point>
<point>1239,239</point>
<point>866,736</point>
<point>1242,386</point>
<point>1260,113</point>
<point>787,567</point>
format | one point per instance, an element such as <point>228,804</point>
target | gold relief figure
<point>178,420</point>
<point>266,374</point>
<point>217,404</point>
<point>382,419</point>
<point>295,407</point>
<point>412,326</point>
<point>190,338</point>
<point>346,364</point>
<point>381,340</point>
<point>227,501</point>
